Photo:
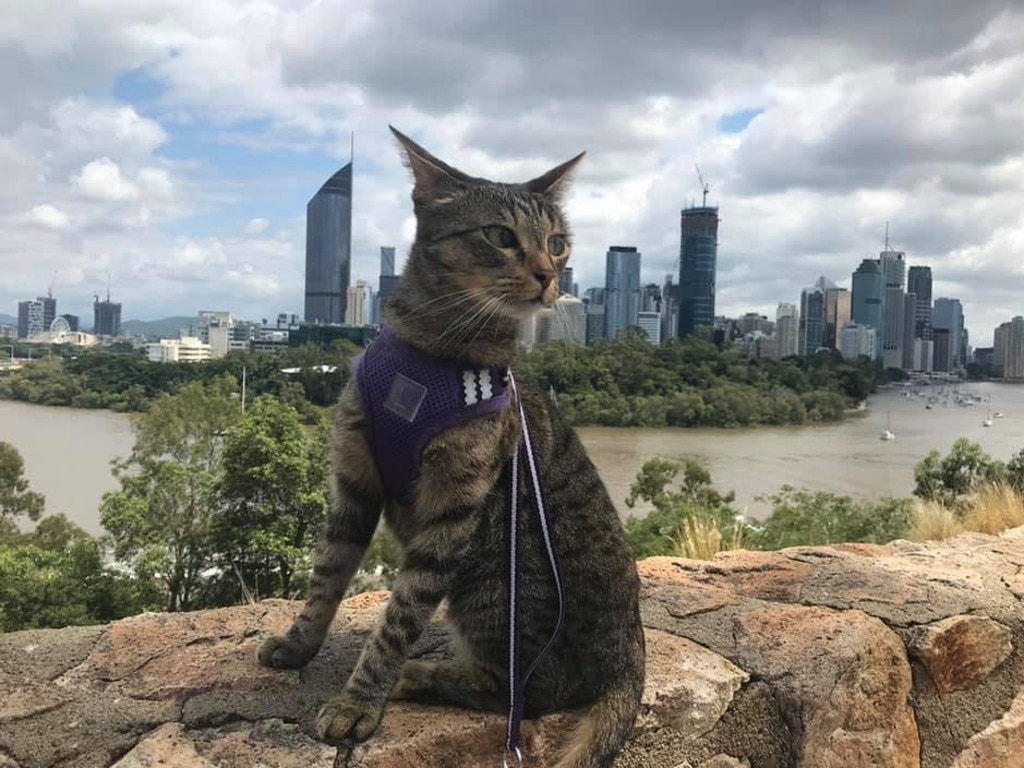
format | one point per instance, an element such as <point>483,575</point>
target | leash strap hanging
<point>517,680</point>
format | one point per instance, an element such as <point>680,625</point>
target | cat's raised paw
<point>281,652</point>
<point>343,718</point>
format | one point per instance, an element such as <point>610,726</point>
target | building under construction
<point>698,262</point>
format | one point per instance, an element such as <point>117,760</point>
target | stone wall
<point>834,657</point>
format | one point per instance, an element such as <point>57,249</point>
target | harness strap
<point>517,679</point>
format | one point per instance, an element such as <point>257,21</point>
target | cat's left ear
<point>555,183</point>
<point>434,180</point>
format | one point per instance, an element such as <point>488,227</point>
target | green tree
<point>1015,471</point>
<point>16,500</point>
<point>950,480</point>
<point>811,518</point>
<point>160,519</point>
<point>274,499</point>
<point>658,532</point>
<point>56,577</point>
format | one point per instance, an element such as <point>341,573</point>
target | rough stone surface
<point>1001,745</point>
<point>724,761</point>
<point>961,651</point>
<point>847,656</point>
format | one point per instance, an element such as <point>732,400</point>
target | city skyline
<point>176,151</point>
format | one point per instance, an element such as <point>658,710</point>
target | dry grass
<point>996,508</point>
<point>701,538</point>
<point>930,521</point>
<point>993,510</point>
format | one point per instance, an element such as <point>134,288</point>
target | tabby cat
<point>486,256</point>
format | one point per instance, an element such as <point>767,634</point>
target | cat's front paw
<point>283,652</point>
<point>343,718</point>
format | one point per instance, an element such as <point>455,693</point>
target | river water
<point>67,452</point>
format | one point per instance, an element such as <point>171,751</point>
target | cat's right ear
<point>434,181</point>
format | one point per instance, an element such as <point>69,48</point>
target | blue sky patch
<point>737,122</point>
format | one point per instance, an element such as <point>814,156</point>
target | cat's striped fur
<point>463,294</point>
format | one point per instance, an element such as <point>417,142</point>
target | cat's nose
<point>545,277</point>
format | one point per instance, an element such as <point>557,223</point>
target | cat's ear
<point>555,182</point>
<point>434,180</point>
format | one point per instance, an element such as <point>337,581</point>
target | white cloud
<point>101,179</point>
<point>256,226</point>
<point>914,116</point>
<point>49,216</point>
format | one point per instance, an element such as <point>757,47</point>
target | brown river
<point>67,452</point>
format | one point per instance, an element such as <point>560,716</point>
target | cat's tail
<point>603,729</point>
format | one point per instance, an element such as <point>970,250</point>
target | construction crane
<point>703,186</point>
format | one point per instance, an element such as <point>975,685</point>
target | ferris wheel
<point>59,330</point>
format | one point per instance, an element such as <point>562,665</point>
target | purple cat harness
<point>408,398</point>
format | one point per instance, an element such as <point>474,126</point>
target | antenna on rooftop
<point>108,286</point>
<point>887,234</point>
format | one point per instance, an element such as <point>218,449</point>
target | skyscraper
<point>909,331</point>
<point>812,320</point>
<point>948,317</point>
<point>698,265</point>
<point>387,260</point>
<point>106,317</point>
<point>565,280</point>
<point>329,249</point>
<point>1013,368</point>
<point>36,316</point>
<point>919,283</point>
<point>837,315</point>
<point>787,330</point>
<point>1001,349</point>
<point>650,299</point>
<point>355,307</point>
<point>868,302</point>
<point>622,289</point>
<point>894,271</point>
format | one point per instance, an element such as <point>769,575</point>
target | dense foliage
<point>55,576</point>
<point>952,480</point>
<point>123,379</point>
<point>622,382</point>
<point>628,382</point>
<point>799,517</point>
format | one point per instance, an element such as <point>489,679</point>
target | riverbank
<point>68,451</point>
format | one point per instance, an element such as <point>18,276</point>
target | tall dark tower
<point>329,249</point>
<point>919,282</point>
<point>698,266</point>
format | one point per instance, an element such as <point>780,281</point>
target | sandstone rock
<point>687,687</point>
<point>724,761</point>
<point>1001,745</point>
<point>960,651</point>
<point>777,659</point>
<point>846,677</point>
<point>167,745</point>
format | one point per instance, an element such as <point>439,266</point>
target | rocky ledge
<point>845,656</point>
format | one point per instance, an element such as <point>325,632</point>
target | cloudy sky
<point>174,144</point>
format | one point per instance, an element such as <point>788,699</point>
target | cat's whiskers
<point>497,310</point>
<point>449,300</point>
<point>464,323</point>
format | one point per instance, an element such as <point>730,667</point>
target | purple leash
<point>517,680</point>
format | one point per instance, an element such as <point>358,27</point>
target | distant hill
<point>8,319</point>
<point>168,327</point>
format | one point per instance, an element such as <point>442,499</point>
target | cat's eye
<point>557,245</point>
<point>499,236</point>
